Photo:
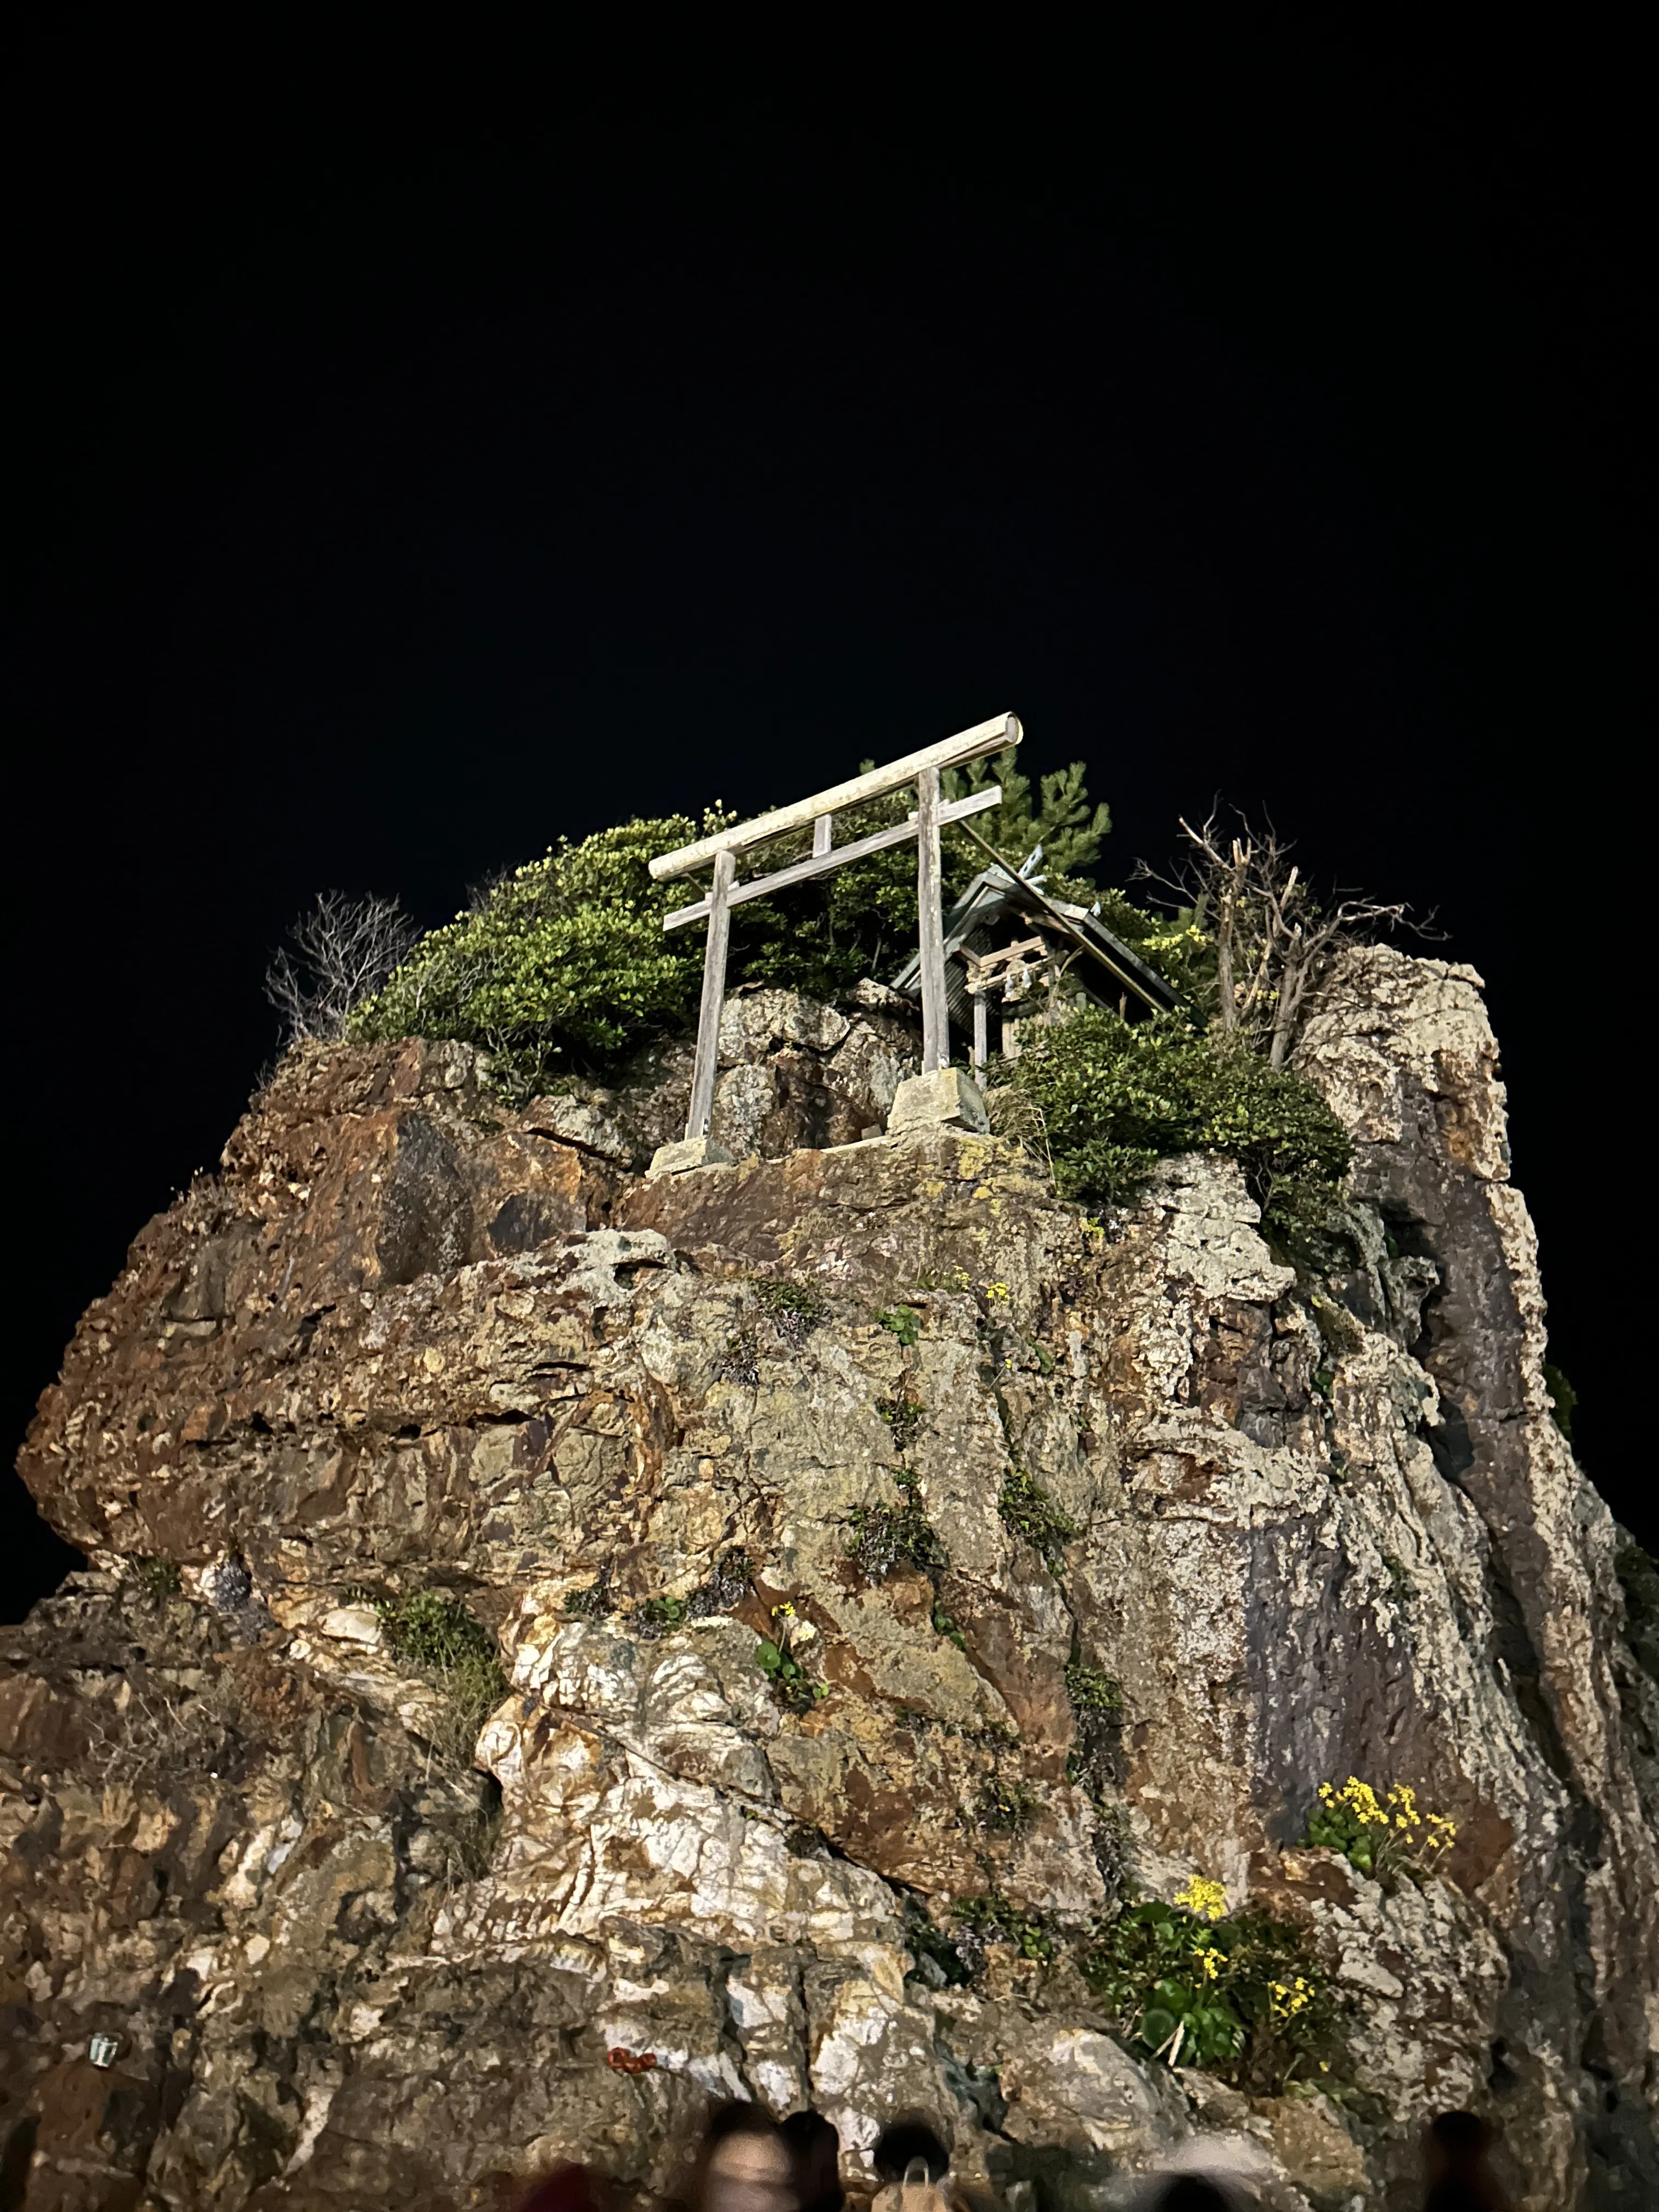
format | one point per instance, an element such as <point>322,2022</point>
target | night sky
<point>416,458</point>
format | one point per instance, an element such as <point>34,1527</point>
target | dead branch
<point>343,949</point>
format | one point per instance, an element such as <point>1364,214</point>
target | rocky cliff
<point>789,1492</point>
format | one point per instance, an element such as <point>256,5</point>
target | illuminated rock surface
<point>405,1340</point>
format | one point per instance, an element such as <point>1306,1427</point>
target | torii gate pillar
<point>927,1104</point>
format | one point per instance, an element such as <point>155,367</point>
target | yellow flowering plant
<point>1238,1994</point>
<point>1383,1836</point>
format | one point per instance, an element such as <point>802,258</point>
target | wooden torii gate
<point>922,769</point>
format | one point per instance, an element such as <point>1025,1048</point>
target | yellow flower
<point>1207,1899</point>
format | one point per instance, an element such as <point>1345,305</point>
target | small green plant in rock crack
<point>883,1536</point>
<point>1092,1690</point>
<point>1028,1509</point>
<point>779,1657</point>
<point>740,1361</point>
<point>904,1322</point>
<point>903,1417</point>
<point>945,1626</point>
<point>1097,1703</point>
<point>436,1633</point>
<point>1006,1807</point>
<point>159,1579</point>
<point>795,1310</point>
<point>658,1616</point>
<point>992,1919</point>
<point>593,1603</point>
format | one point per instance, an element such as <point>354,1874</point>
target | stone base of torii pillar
<point>946,1099</point>
<point>946,1103</point>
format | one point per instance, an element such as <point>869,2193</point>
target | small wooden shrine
<point>1009,943</point>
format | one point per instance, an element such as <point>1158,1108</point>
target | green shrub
<point>564,963</point>
<point>1117,1097</point>
<point>1241,1997</point>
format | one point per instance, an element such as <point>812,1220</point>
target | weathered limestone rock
<point>356,1942</point>
<point>793,1073</point>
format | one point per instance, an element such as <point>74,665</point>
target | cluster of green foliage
<point>904,1322</point>
<point>945,1626</point>
<point>1028,1509</point>
<point>903,1417</point>
<point>563,965</point>
<point>659,1616</point>
<point>159,1579</point>
<point>995,1920</point>
<point>1006,1807</point>
<point>1092,1690</point>
<point>795,1310</point>
<point>1061,819</point>
<point>436,1633</point>
<point>1241,1997</point>
<point>883,1536</point>
<point>1117,1097</point>
<point>795,1688</point>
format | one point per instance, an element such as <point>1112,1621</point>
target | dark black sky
<point>416,457</point>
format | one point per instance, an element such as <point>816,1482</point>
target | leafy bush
<point>1239,1995</point>
<point>1384,1837</point>
<point>159,1579</point>
<point>1115,1097</point>
<point>563,962</point>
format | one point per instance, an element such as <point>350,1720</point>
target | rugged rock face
<point>405,1341</point>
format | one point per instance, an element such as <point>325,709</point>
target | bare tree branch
<point>343,949</point>
<point>1268,926</point>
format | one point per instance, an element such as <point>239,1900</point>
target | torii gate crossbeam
<point>922,769</point>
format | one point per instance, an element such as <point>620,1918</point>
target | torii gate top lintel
<point>921,769</point>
